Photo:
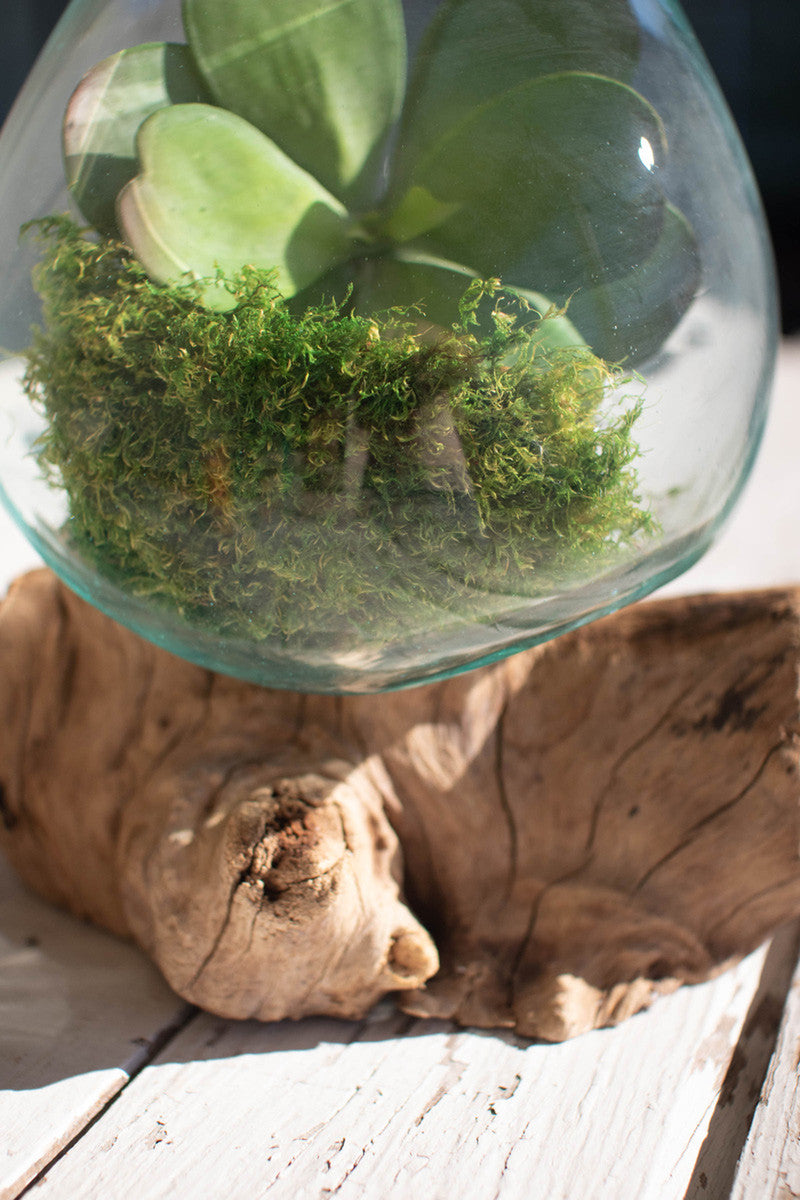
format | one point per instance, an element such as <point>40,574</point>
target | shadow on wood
<point>543,845</point>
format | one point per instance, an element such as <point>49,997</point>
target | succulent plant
<point>286,136</point>
<point>321,478</point>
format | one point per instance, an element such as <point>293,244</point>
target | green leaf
<point>558,331</point>
<point>323,78</point>
<point>630,318</point>
<point>216,195</point>
<point>416,214</point>
<point>103,117</point>
<point>473,51</point>
<point>552,184</point>
<point>435,289</point>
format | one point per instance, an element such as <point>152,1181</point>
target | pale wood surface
<point>79,1012</point>
<point>770,1164</point>
<point>402,1108</point>
<point>393,1108</point>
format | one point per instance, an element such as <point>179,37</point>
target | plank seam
<point>715,1170</point>
<point>148,1050</point>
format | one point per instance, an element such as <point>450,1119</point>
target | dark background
<point>752,45</point>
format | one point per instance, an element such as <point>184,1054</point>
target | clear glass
<point>407,472</point>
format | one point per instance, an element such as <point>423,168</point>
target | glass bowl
<point>348,347</point>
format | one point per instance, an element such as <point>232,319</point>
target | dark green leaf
<point>215,194</point>
<point>630,318</point>
<point>104,115</point>
<point>473,50</point>
<point>552,185</point>
<point>434,290</point>
<point>323,78</point>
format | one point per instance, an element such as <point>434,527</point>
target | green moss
<point>274,474</point>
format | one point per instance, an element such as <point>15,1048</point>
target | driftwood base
<point>542,845</point>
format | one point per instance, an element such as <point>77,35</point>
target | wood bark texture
<point>543,845</point>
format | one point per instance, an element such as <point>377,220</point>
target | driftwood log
<point>543,845</point>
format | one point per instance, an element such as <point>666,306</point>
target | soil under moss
<point>271,474</point>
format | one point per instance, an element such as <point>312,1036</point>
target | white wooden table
<point>112,1088</point>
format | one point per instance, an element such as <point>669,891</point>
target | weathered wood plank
<point>382,1109</point>
<point>769,1168</point>
<point>79,1013</point>
<point>716,1166</point>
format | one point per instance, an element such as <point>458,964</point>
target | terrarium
<point>350,345</point>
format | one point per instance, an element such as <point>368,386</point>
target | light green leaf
<point>417,212</point>
<point>215,194</point>
<point>552,184</point>
<point>104,114</point>
<point>473,50</point>
<point>630,318</point>
<point>323,78</point>
<point>558,331</point>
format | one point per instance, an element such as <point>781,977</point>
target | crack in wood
<point>752,898</point>
<point>530,932</point>
<point>8,817</point>
<point>742,1087</point>
<point>617,765</point>
<point>237,883</point>
<point>237,766</point>
<point>68,656</point>
<point>454,1071</point>
<point>732,710</point>
<point>691,834</point>
<point>505,804</point>
<point>143,1058</point>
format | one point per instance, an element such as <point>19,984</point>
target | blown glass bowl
<point>350,346</point>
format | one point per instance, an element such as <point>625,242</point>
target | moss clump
<point>270,474</point>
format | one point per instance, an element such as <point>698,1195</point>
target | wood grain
<point>400,1108</point>
<point>80,1013</point>
<point>578,828</point>
<point>769,1168</point>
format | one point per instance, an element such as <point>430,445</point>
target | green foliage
<point>596,210</point>
<point>473,52</point>
<point>200,199</point>
<point>297,475</point>
<point>519,150</point>
<point>663,285</point>
<point>105,114</point>
<point>324,80</point>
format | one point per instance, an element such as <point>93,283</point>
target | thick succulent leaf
<point>417,212</point>
<point>551,185</point>
<point>216,195</point>
<point>432,290</point>
<point>323,78</point>
<point>104,114</point>
<point>630,319</point>
<point>558,331</point>
<point>474,50</point>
